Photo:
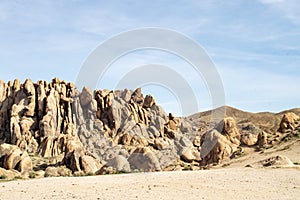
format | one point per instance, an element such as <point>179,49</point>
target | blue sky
<point>254,44</point>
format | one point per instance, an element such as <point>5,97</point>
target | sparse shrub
<point>240,152</point>
<point>285,138</point>
<point>187,167</point>
<point>3,177</point>
<point>285,148</point>
<point>17,178</point>
<point>121,172</point>
<point>32,175</point>
<point>248,165</point>
<point>262,150</point>
<point>89,174</point>
<point>46,174</point>
<point>226,165</point>
<point>290,136</point>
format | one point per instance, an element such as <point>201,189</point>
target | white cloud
<point>290,8</point>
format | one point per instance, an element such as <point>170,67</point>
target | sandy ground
<point>228,183</point>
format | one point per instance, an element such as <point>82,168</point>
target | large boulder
<point>288,121</point>
<point>189,154</point>
<point>52,171</point>
<point>138,97</point>
<point>12,158</point>
<point>216,146</point>
<point>250,134</point>
<point>72,159</point>
<point>119,163</point>
<point>143,159</point>
<point>149,101</point>
<point>262,139</point>
<point>171,127</point>
<point>89,164</point>
<point>86,96</point>
<point>249,139</point>
<point>228,128</point>
<point>161,143</point>
<point>220,143</point>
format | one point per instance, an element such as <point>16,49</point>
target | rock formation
<point>12,158</point>
<point>103,131</point>
<point>221,142</point>
<point>276,161</point>
<point>288,122</point>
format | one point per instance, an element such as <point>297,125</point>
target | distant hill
<point>267,121</point>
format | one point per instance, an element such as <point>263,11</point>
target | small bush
<point>32,175</point>
<point>187,168</point>
<point>285,138</point>
<point>226,165</point>
<point>46,174</point>
<point>285,148</point>
<point>17,178</point>
<point>248,165</point>
<point>3,177</point>
<point>89,174</point>
<point>262,149</point>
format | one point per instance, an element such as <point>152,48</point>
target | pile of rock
<point>105,131</point>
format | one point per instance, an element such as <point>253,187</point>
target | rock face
<point>288,121</point>
<point>38,118</point>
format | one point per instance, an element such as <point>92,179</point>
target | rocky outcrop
<point>190,154</point>
<point>12,158</point>
<point>262,139</point>
<point>249,139</point>
<point>103,131</point>
<point>171,127</point>
<point>276,161</point>
<point>39,118</point>
<point>288,122</point>
<point>220,143</point>
<point>228,128</point>
<point>18,110</point>
<point>79,128</point>
<point>251,135</point>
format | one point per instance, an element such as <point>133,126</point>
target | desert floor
<point>226,183</point>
